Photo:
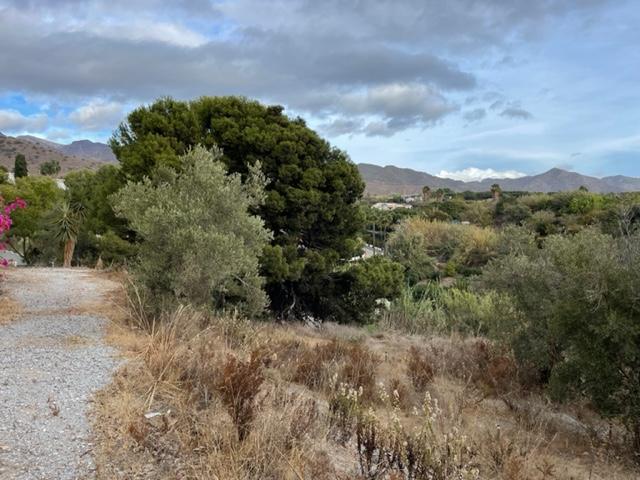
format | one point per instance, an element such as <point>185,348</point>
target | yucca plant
<point>67,221</point>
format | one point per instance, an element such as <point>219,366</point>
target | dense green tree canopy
<point>311,192</point>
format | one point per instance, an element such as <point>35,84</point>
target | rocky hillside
<point>77,155</point>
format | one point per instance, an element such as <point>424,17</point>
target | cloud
<point>384,67</point>
<point>473,174</point>
<point>12,121</point>
<point>475,115</point>
<point>515,112</point>
<point>98,115</point>
<point>341,126</point>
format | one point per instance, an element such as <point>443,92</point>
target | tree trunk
<point>69,247</point>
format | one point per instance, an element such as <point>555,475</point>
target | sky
<point>466,89</point>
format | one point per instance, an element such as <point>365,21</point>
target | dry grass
<point>224,398</point>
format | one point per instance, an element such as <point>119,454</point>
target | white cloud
<point>98,115</point>
<point>12,121</point>
<point>473,174</point>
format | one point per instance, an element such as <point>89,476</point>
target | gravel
<point>52,359</point>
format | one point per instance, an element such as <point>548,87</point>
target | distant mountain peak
<point>79,148</point>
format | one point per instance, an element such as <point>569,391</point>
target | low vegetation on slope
<point>208,396</point>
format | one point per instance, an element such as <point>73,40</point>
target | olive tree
<point>199,242</point>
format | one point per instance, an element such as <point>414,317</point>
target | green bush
<point>199,243</point>
<point>50,168</point>
<point>362,284</point>
<point>113,249</point>
<point>578,318</point>
<point>431,309</point>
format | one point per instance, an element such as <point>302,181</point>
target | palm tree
<point>67,226</point>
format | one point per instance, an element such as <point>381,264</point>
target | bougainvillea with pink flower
<point>6,209</point>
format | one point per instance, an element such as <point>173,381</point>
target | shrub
<point>359,370</point>
<point>434,309</point>
<point>238,386</point>
<point>419,369</point>
<point>311,365</point>
<point>361,285</point>
<point>577,322</point>
<point>51,168</point>
<point>199,244</point>
<point>113,249</point>
<point>418,244</point>
<point>391,450</point>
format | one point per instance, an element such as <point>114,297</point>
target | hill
<point>394,180</point>
<point>77,155</point>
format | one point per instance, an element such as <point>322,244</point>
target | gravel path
<point>52,359</point>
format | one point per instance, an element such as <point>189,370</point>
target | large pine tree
<point>311,195</point>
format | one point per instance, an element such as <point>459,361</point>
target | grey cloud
<point>342,126</point>
<point>454,25</point>
<point>395,63</point>
<point>515,112</point>
<point>475,115</point>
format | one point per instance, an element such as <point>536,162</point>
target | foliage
<point>4,175</point>
<point>20,166</point>
<point>360,285</point>
<point>310,204</point>
<point>6,210</point>
<point>478,213</point>
<point>113,249</point>
<point>238,386</point>
<point>543,223</point>
<point>51,168</point>
<point>578,319</point>
<point>92,191</point>
<point>31,227</point>
<point>66,224</point>
<point>199,243</point>
<point>432,309</point>
<point>420,245</point>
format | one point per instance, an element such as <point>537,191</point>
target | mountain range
<point>72,156</point>
<point>387,180</point>
<point>391,180</point>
